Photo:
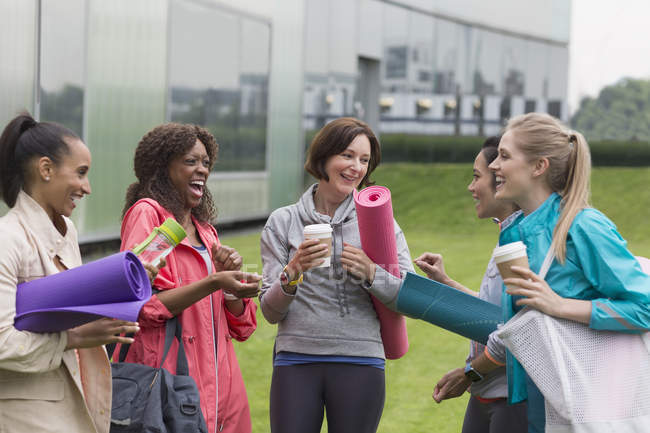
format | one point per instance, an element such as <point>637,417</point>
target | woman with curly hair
<point>202,283</point>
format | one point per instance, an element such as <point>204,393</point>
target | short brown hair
<point>333,139</point>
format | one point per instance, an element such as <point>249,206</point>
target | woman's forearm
<point>180,298</point>
<point>483,364</point>
<point>235,306</point>
<point>574,309</point>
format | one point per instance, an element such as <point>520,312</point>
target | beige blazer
<point>44,388</point>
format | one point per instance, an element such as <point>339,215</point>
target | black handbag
<point>152,400</point>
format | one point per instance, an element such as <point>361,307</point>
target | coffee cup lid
<point>510,248</point>
<point>314,229</point>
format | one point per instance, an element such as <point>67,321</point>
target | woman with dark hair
<point>59,381</point>
<point>328,351</point>
<point>202,283</point>
<point>487,409</point>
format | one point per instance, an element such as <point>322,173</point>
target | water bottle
<point>160,243</point>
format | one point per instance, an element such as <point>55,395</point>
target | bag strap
<point>546,265</point>
<point>124,349</point>
<point>173,328</point>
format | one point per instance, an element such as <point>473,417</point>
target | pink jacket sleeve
<point>241,327</point>
<point>138,223</point>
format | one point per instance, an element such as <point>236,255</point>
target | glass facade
<point>18,68</point>
<point>440,75</point>
<point>63,61</point>
<point>112,70</point>
<point>258,74</point>
<point>222,86</point>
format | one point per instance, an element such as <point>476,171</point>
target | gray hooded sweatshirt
<point>331,312</point>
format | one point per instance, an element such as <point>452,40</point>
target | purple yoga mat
<point>116,286</point>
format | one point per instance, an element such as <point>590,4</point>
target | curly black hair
<point>154,153</point>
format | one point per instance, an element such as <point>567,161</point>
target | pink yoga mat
<point>377,230</point>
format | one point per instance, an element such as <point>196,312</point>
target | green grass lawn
<point>431,203</point>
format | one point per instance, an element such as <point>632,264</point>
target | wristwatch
<point>472,374</point>
<point>285,281</point>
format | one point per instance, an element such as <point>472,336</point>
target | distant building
<point>261,73</point>
<point>436,67</point>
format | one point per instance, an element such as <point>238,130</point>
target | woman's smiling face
<point>189,174</point>
<point>347,169</point>
<point>69,180</point>
<point>514,173</point>
<point>482,190</point>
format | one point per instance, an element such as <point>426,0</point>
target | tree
<point>620,112</point>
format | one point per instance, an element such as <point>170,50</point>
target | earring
<point>47,178</point>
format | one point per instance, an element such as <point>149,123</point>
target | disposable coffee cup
<point>324,233</point>
<point>512,254</point>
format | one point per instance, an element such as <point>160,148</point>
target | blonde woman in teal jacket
<point>593,279</point>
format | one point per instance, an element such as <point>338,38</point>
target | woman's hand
<point>538,294</point>
<point>152,271</point>
<point>225,258</point>
<point>451,385</point>
<point>357,263</point>
<point>310,254</point>
<point>432,265</point>
<point>101,332</point>
<point>238,283</point>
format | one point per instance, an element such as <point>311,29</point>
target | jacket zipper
<point>216,366</point>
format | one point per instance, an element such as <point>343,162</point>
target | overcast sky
<point>610,39</point>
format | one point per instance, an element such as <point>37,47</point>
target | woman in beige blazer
<point>61,381</point>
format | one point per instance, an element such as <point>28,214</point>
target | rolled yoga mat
<point>116,286</point>
<point>451,309</point>
<point>377,230</point>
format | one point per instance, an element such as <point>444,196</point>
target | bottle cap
<point>173,230</point>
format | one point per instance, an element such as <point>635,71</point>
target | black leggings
<point>495,417</point>
<point>352,395</point>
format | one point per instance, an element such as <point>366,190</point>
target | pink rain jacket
<point>212,361</point>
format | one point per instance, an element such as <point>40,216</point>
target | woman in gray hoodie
<point>328,350</point>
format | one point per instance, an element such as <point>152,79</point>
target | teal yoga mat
<point>444,306</point>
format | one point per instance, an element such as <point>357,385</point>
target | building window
<point>450,108</point>
<point>221,86</point>
<point>529,105</point>
<point>396,62</point>
<point>505,110</point>
<point>555,108</point>
<point>62,63</point>
<point>477,109</point>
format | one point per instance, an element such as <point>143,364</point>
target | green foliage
<point>429,148</point>
<point>423,148</point>
<point>620,112</point>
<point>433,207</point>
<point>609,153</point>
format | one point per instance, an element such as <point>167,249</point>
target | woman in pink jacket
<point>201,283</point>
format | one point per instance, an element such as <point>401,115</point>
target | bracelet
<point>284,278</point>
<point>229,296</point>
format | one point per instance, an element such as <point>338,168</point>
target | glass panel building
<point>261,75</point>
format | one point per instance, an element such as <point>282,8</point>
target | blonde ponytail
<point>575,195</point>
<point>540,135</point>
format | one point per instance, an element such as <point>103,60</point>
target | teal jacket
<point>598,267</point>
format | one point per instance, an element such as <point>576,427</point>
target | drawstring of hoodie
<point>337,247</point>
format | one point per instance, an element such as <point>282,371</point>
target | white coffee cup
<point>508,255</point>
<point>324,233</point>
